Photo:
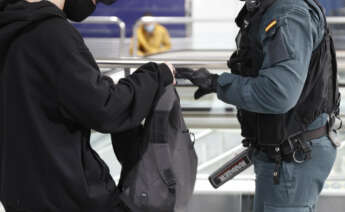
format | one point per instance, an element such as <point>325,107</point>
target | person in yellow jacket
<point>152,38</point>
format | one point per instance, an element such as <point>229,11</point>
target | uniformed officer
<point>284,84</point>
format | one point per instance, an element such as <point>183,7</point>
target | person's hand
<point>202,78</point>
<point>173,71</point>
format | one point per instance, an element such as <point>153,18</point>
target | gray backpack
<point>159,162</point>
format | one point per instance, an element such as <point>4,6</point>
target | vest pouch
<point>235,64</point>
<point>248,122</point>
<point>271,130</point>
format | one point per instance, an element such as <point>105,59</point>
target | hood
<point>17,17</point>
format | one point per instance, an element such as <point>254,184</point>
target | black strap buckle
<point>278,162</point>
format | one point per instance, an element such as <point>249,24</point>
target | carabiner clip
<point>295,158</point>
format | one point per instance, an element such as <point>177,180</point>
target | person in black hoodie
<point>51,95</point>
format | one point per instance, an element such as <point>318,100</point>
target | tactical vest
<point>320,93</point>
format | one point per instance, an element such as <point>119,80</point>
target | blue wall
<point>129,11</point>
<point>332,6</point>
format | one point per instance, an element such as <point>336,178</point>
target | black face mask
<point>78,10</point>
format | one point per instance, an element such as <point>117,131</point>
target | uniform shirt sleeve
<point>280,81</point>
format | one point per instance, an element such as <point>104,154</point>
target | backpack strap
<point>160,118</point>
<point>128,203</point>
<point>160,137</point>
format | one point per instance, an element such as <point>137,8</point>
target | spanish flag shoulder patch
<point>271,25</point>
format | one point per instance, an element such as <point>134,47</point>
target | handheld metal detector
<point>231,169</point>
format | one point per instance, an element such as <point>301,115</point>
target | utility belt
<point>300,143</point>
<point>297,148</point>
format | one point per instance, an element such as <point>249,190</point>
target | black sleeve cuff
<point>165,74</point>
<point>214,78</point>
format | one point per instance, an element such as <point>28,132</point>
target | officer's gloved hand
<point>202,78</point>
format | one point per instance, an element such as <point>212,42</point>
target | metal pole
<point>189,13</point>
<point>336,20</point>
<point>107,20</point>
<point>135,63</point>
<point>122,26</point>
<point>127,72</point>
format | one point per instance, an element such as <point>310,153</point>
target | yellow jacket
<point>158,41</point>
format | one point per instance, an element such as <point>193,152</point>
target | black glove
<point>202,78</point>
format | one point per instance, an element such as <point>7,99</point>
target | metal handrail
<point>110,20</point>
<point>170,20</point>
<point>136,63</point>
<point>336,19</point>
<point>217,64</point>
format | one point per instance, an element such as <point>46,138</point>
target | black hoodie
<point>51,95</point>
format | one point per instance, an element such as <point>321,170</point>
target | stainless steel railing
<point>135,63</point>
<point>110,20</point>
<point>336,20</point>
<point>218,64</point>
